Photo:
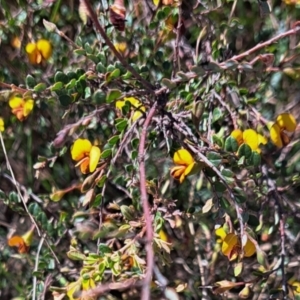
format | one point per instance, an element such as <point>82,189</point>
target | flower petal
<point>95,154</point>
<point>17,241</point>
<point>28,107</point>
<point>32,52</point>
<point>136,115</point>
<point>16,102</point>
<point>221,233</point>
<point>261,139</point>
<point>120,104</point>
<point>286,122</point>
<point>84,165</point>
<point>183,157</point>
<point>231,240</point>
<point>80,149</point>
<point>249,248</point>
<point>250,138</point>
<point>44,48</point>
<point>1,125</point>
<point>296,287</point>
<point>275,135</point>
<point>177,171</point>
<point>189,169</point>
<point>238,135</point>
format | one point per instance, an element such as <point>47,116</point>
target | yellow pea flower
<point>185,164</point>
<point>1,125</point>
<point>135,104</point>
<point>22,242</point>
<point>291,2</point>
<point>249,137</point>
<point>39,51</point>
<point>21,108</point>
<point>296,287</point>
<point>121,47</point>
<point>284,123</point>
<point>86,155</point>
<point>231,246</point>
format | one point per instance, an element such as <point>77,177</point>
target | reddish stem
<point>146,208</point>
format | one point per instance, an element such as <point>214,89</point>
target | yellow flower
<point>296,287</point>
<point>87,155</point>
<point>291,2</point>
<point>21,108</point>
<point>1,125</point>
<point>22,242</point>
<point>249,137</point>
<point>284,122</point>
<point>185,164</point>
<point>135,104</point>
<point>121,47</point>
<point>39,51</point>
<point>231,246</point>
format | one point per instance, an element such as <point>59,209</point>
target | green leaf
<point>76,255</point>
<point>65,100</point>
<point>112,75</point>
<point>56,86</point>
<point>238,269</point>
<point>50,27</point>
<point>239,195</point>
<point>215,158</point>
<point>227,173</point>
<point>106,153</point>
<point>113,140</point>
<point>168,83</point>
<point>224,203</point>
<point>231,144</point>
<point>60,76</point>
<point>113,95</point>
<point>121,125</point>
<point>217,140</point>
<point>80,52</point>
<point>245,150</point>
<point>93,58</point>
<point>219,187</point>
<point>217,114</point>
<point>255,159</point>
<point>102,180</point>
<point>40,87</point>
<point>30,81</point>
<point>71,84</point>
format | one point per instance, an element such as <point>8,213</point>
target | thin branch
<point>36,266</point>
<point>273,191</point>
<point>262,45</point>
<point>103,288</point>
<point>148,86</point>
<point>23,188</point>
<point>176,61</point>
<point>146,208</point>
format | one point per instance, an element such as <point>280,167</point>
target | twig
<point>103,288</point>
<point>146,208</point>
<point>36,266</point>
<point>176,61</point>
<point>262,45</point>
<point>13,87</point>
<point>23,188</point>
<point>148,86</point>
<point>273,191</point>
